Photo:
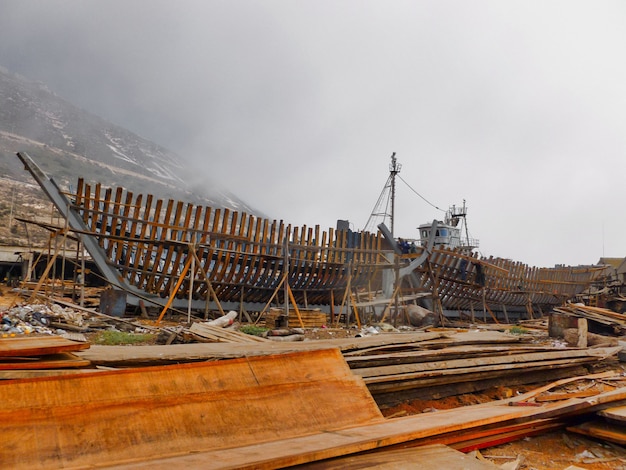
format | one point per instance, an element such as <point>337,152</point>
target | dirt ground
<point>559,450</point>
<point>556,450</point>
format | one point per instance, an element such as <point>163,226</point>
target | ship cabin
<point>449,233</point>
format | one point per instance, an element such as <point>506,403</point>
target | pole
<point>286,285</point>
<point>191,280</point>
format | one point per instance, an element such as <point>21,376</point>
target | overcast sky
<point>517,107</point>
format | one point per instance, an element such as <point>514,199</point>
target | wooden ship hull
<point>180,254</point>
<point>468,283</point>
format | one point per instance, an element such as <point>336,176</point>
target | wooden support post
<point>142,307</point>
<point>295,306</point>
<point>208,282</point>
<point>356,311</point>
<point>388,306</point>
<point>191,281</point>
<point>582,333</point>
<point>506,315</point>
<point>529,308</point>
<point>44,276</point>
<point>242,310</point>
<point>495,319</point>
<point>181,278</point>
<point>280,284</point>
<point>484,305</point>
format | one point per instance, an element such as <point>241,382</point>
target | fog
<point>517,107</point>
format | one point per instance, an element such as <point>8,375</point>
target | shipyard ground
<point>554,450</point>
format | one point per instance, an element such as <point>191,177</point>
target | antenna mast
<point>394,169</point>
<point>387,196</point>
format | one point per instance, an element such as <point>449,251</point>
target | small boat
<point>177,254</point>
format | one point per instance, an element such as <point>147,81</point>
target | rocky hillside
<point>69,143</point>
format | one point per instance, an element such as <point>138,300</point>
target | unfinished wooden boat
<point>173,253</point>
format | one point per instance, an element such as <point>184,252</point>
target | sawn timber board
<point>109,417</point>
<point>38,346</point>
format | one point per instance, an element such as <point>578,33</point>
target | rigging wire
<point>422,197</point>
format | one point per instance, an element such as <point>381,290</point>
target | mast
<point>394,169</point>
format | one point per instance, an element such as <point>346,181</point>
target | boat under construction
<point>174,254</point>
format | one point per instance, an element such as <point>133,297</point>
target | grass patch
<point>518,330</point>
<point>112,338</point>
<point>253,330</point>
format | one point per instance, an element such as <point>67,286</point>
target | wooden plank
<point>222,334</point>
<point>429,457</point>
<point>146,280</point>
<point>113,411</point>
<point>436,375</point>
<point>178,233</point>
<point>318,446</point>
<point>427,355</point>
<point>477,362</point>
<point>502,435</point>
<point>142,251</point>
<point>123,247</point>
<point>617,414</point>
<point>49,361</point>
<point>157,233</point>
<point>170,271</point>
<point>389,384</point>
<point>36,373</point>
<point>601,430</point>
<point>38,346</point>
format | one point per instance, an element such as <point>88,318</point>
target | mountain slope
<point>69,143</point>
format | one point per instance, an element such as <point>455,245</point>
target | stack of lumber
<point>286,419</point>
<point>25,356</point>
<point>430,370</point>
<point>214,334</point>
<point>608,424</point>
<point>93,419</point>
<point>309,318</point>
<point>615,321</point>
<point>399,366</point>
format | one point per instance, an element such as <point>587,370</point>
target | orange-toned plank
<point>38,345</point>
<point>74,421</point>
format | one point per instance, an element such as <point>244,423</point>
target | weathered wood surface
<point>35,373</point>
<point>601,430</point>
<point>38,346</point>
<point>174,353</point>
<point>616,321</point>
<point>499,362</point>
<point>430,457</point>
<point>449,353</point>
<point>468,282</point>
<point>114,417</point>
<point>418,429</point>
<point>49,361</point>
<point>219,334</point>
<point>617,414</point>
<point>240,255</point>
<point>401,365</point>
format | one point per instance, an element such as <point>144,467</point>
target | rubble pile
<point>44,319</point>
<point>39,318</point>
